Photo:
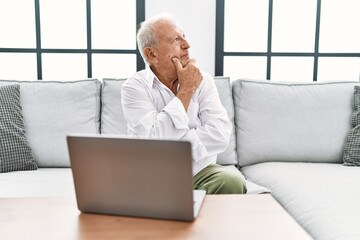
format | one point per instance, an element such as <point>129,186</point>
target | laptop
<point>134,177</point>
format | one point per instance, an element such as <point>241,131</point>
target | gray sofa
<point>288,139</point>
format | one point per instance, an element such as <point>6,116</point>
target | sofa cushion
<point>352,143</point>
<point>16,154</point>
<point>112,116</point>
<point>53,109</point>
<point>44,182</point>
<point>223,85</point>
<point>323,197</point>
<point>292,122</point>
<point>113,121</point>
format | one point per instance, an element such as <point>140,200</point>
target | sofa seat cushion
<point>292,122</point>
<point>323,197</point>
<point>53,109</point>
<point>44,182</point>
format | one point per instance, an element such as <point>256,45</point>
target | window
<point>69,39</point>
<point>298,40</point>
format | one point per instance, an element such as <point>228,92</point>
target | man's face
<point>171,43</point>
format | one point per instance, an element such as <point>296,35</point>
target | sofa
<point>288,140</point>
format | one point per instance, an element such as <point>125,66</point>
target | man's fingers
<point>177,63</point>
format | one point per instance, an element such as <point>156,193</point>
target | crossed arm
<point>209,136</point>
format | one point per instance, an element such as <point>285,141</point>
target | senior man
<point>172,98</point>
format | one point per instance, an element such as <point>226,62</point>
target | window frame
<point>220,53</point>
<point>140,17</point>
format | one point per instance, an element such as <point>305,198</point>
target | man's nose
<point>185,44</point>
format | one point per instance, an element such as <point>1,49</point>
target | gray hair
<point>146,35</point>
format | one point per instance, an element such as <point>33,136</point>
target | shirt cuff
<point>177,113</point>
<point>199,152</point>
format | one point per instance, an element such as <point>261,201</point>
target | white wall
<point>197,18</point>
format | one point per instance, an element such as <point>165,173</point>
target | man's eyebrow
<point>172,38</point>
<point>176,36</point>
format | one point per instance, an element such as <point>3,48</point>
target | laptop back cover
<point>134,177</point>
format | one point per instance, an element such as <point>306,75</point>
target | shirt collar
<point>150,77</point>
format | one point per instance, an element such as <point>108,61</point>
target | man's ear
<point>150,54</point>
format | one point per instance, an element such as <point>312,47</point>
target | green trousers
<point>216,179</point>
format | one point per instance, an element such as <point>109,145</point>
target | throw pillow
<point>15,151</point>
<point>352,142</point>
<point>355,118</point>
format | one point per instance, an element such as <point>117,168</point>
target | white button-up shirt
<point>152,110</point>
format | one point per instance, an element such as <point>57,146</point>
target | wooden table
<point>221,217</point>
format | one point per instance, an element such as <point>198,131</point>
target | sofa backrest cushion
<point>113,121</point>
<point>229,156</point>
<point>112,116</point>
<point>292,122</point>
<point>53,109</point>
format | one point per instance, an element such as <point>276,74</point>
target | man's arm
<point>210,138</point>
